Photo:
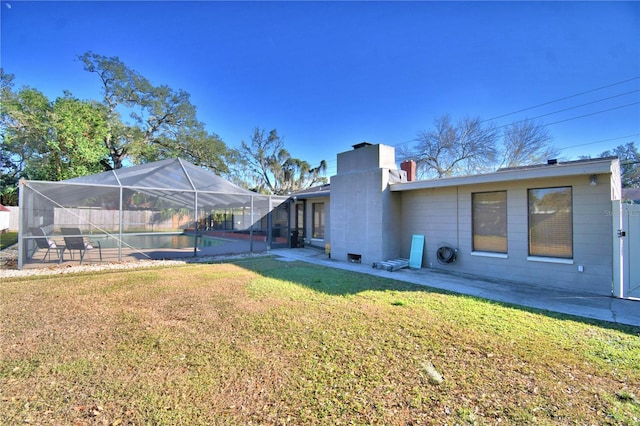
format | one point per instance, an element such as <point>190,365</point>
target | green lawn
<point>263,341</point>
<point>8,239</point>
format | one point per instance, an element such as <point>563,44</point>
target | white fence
<point>13,217</point>
<point>626,245</point>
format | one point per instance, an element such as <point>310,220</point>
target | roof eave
<point>556,170</point>
<point>320,194</point>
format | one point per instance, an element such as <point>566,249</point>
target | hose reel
<point>446,255</point>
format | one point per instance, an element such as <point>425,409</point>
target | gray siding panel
<point>444,215</point>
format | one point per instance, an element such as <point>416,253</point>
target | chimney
<point>361,145</point>
<point>409,166</point>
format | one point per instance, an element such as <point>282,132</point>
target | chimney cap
<point>361,145</point>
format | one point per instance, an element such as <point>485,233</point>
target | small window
<point>318,220</point>
<point>551,222</point>
<point>489,212</point>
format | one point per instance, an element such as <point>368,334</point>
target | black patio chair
<point>73,240</point>
<point>42,242</point>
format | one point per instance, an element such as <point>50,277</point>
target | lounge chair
<point>74,240</point>
<point>42,242</point>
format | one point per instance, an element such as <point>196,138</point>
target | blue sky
<point>328,75</point>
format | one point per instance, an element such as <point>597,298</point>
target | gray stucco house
<point>557,224</point>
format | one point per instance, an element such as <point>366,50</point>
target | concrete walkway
<point>592,306</point>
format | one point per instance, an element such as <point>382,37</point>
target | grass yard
<point>8,239</point>
<point>267,342</point>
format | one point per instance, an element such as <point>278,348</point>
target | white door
<point>631,244</point>
<point>626,250</point>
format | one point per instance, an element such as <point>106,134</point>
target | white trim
<point>550,260</point>
<point>490,254</point>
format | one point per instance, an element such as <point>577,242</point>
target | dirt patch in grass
<point>259,341</point>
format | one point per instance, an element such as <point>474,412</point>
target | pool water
<point>160,241</point>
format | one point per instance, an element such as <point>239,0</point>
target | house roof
<point>313,192</point>
<point>559,169</point>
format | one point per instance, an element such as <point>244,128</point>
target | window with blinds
<point>551,222</point>
<point>489,222</point>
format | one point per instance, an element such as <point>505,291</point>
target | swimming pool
<point>150,241</point>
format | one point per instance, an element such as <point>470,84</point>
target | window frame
<point>482,250</point>
<point>550,254</point>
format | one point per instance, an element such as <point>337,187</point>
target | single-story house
<point>558,224</point>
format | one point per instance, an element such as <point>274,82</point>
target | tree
<point>24,121</point>
<point>69,137</point>
<point>269,168</point>
<point>162,121</point>
<point>526,142</point>
<point>48,140</point>
<point>629,164</point>
<point>474,146</point>
<point>451,149</point>
<point>79,129</point>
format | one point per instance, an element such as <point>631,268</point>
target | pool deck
<point>129,255</point>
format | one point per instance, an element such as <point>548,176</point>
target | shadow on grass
<point>339,282</point>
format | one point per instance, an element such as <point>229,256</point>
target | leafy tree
<point>24,121</point>
<point>629,163</point>
<point>77,147</point>
<point>48,140</point>
<point>269,168</point>
<point>162,121</point>
<point>452,149</point>
<point>57,140</point>
<point>526,142</point>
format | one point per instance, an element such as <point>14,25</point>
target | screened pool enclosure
<point>165,209</point>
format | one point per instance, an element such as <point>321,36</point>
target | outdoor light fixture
<point>593,180</point>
